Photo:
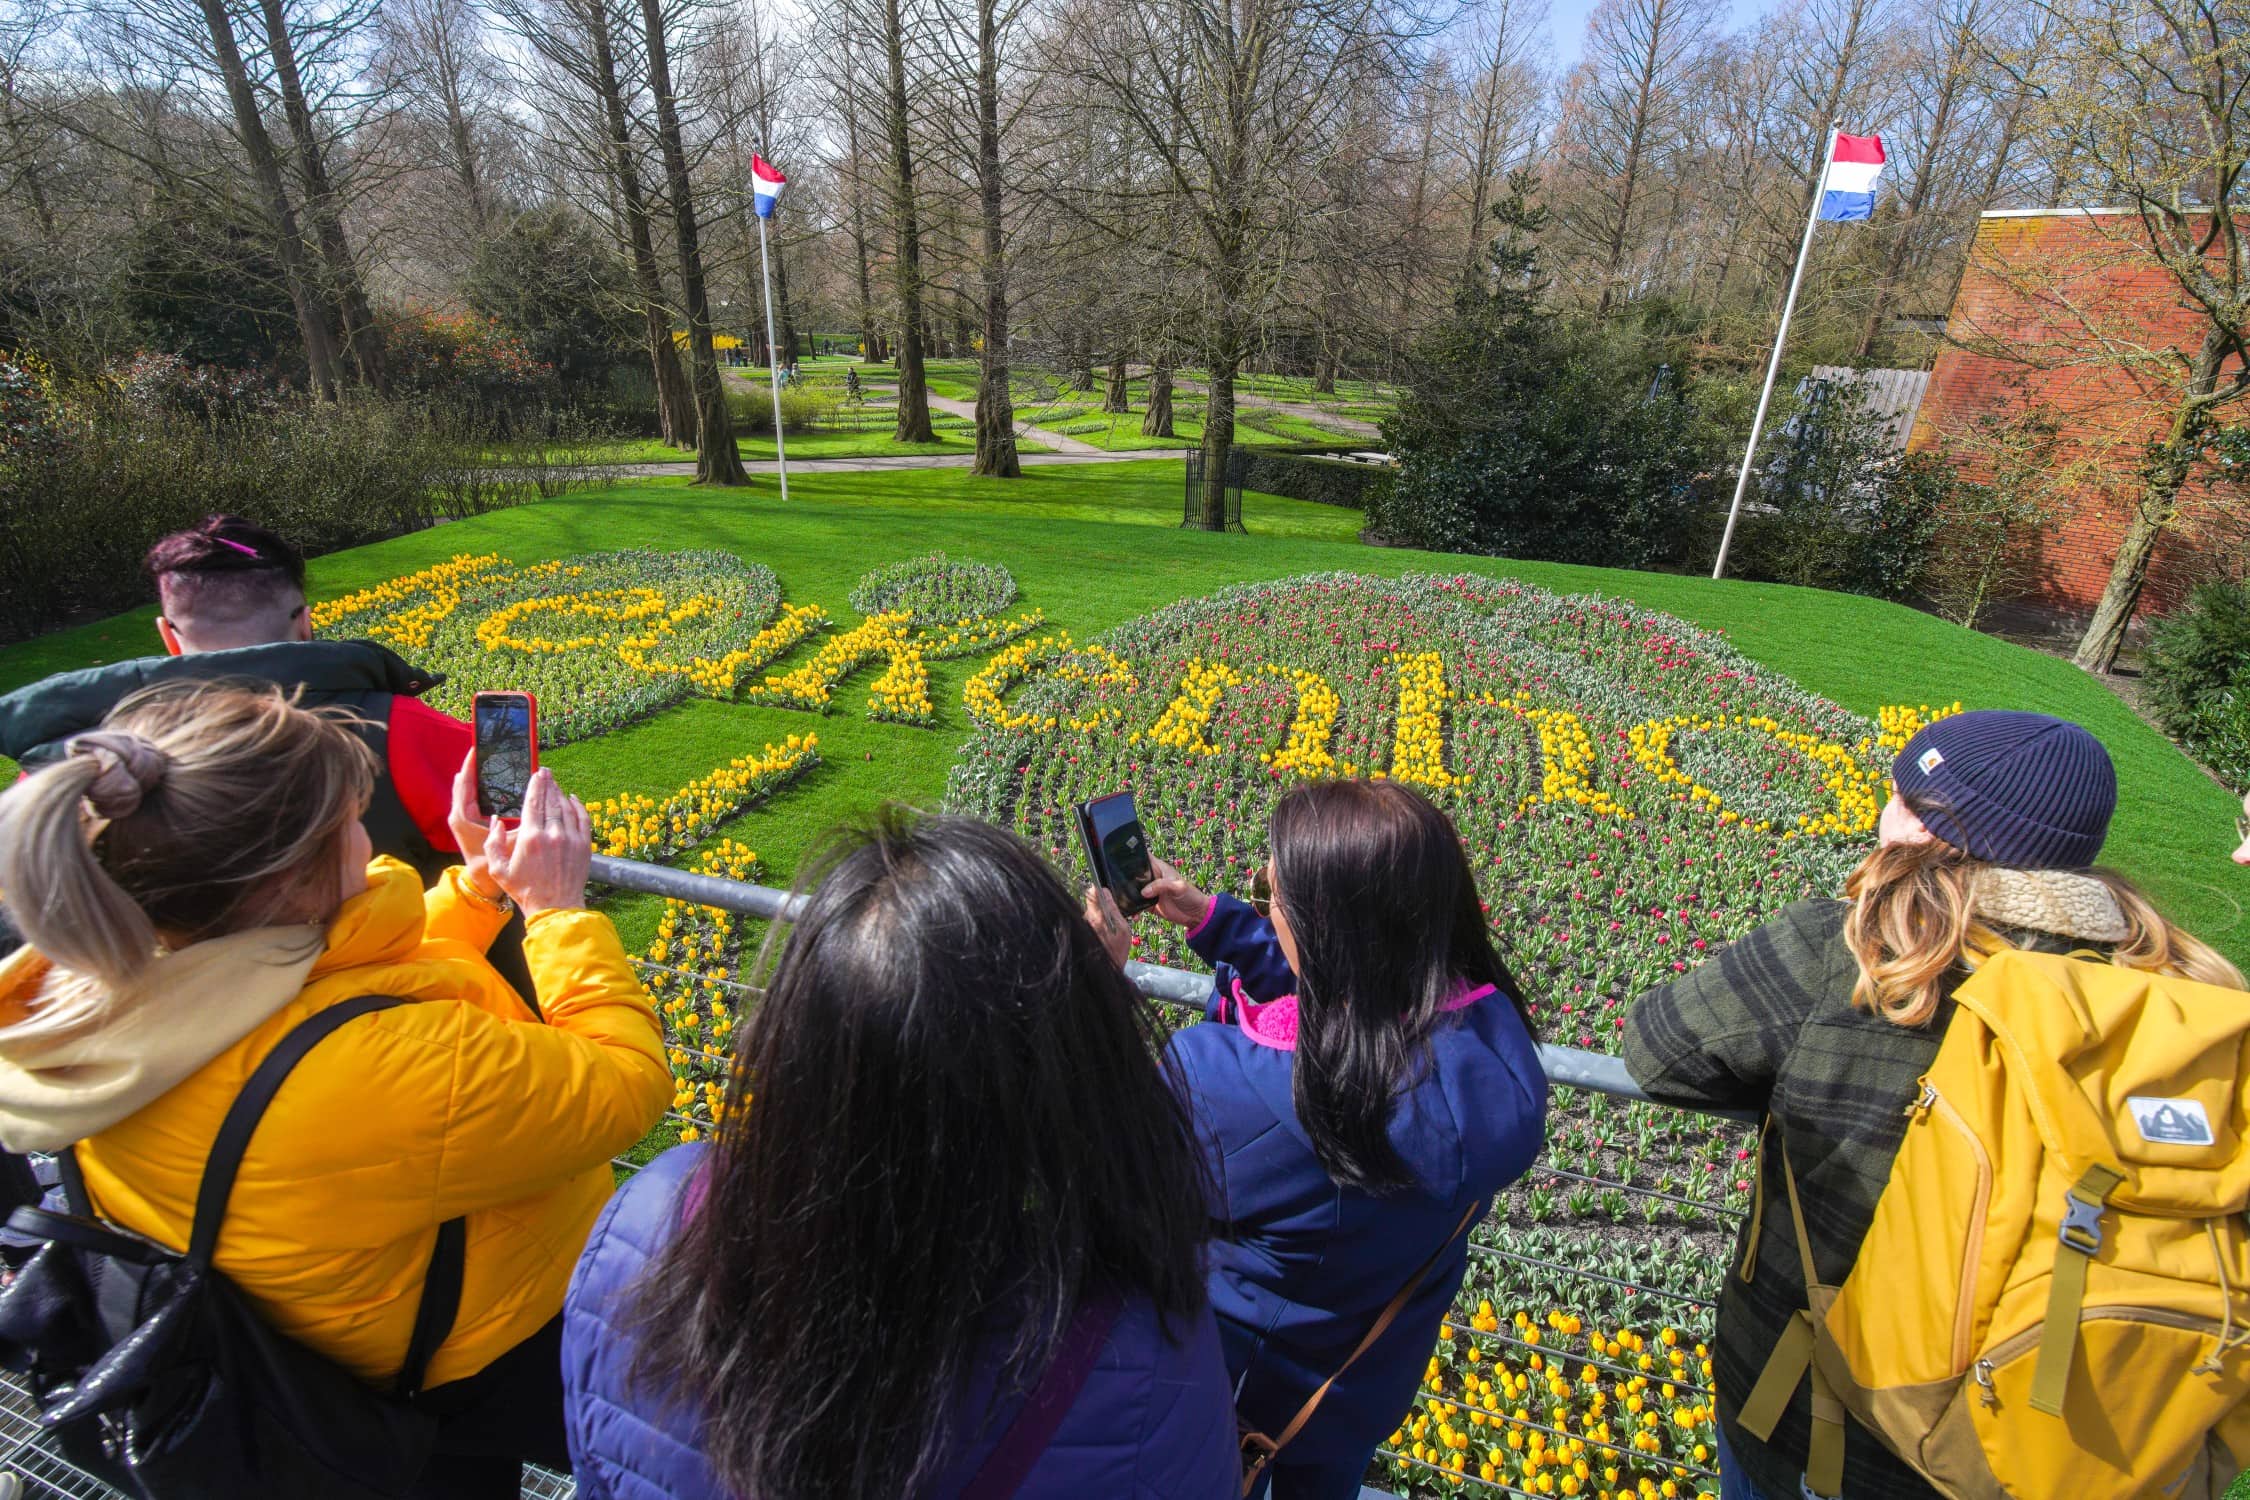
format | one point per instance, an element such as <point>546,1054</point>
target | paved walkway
<point>878,463</point>
<point>1319,416</point>
<point>1063,446</point>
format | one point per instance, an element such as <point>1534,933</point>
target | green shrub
<point>1525,432</point>
<point>1837,507</point>
<point>2198,679</point>
<point>805,405</point>
<point>108,475</point>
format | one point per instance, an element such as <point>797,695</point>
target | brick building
<point>2067,309</point>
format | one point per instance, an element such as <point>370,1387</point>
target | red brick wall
<point>2076,300</point>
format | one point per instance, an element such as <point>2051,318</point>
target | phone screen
<point>1113,826</point>
<point>504,753</point>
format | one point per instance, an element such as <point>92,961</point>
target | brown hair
<point>197,809</point>
<point>1913,920</point>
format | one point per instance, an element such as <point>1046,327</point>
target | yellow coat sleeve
<point>534,1104</point>
<point>451,912</point>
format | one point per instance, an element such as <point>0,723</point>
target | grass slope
<point>1097,545</point>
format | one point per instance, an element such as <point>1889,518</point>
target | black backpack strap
<point>250,1107</point>
<point>441,1303</point>
<point>73,1183</point>
<point>441,1284</point>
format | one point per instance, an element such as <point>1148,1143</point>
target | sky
<point>1566,21</point>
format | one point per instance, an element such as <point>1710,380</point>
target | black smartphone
<point>1116,849</point>
<point>507,730</point>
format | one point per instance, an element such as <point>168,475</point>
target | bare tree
<point>1622,122</point>
<point>913,383</point>
<point>1502,103</point>
<point>1231,99</point>
<point>437,53</point>
<point>346,290</point>
<point>304,282</point>
<point>717,459</point>
<point>1950,56</point>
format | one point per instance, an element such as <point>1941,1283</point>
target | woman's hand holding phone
<point>1177,899</point>
<point>544,860</point>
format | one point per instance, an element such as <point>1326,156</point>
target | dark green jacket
<point>359,675</point>
<point>1769,1025</point>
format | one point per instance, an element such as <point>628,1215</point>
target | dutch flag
<point>765,184</point>
<point>1848,191</point>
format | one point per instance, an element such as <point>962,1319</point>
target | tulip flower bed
<point>609,638</point>
<point>602,640</point>
<point>1631,791</point>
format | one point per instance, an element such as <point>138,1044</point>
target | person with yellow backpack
<point>1999,1245</point>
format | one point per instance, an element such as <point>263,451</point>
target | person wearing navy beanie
<point>1825,1018</point>
<point>2028,791</point>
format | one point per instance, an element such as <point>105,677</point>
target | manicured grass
<point>1094,546</point>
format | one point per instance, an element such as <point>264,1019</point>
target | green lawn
<point>1094,546</point>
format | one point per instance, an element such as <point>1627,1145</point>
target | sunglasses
<point>1261,889</point>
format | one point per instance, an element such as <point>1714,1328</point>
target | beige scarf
<point>184,1010</point>
<point>2062,902</point>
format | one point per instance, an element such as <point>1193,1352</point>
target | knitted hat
<point>2029,791</point>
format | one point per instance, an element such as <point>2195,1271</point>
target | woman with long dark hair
<point>1364,1083</point>
<point>954,1247</point>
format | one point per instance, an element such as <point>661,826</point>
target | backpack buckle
<point>2082,1223</point>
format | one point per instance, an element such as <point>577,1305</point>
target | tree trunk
<point>1218,430</point>
<point>1119,398</point>
<point>363,340</point>
<point>1324,373</point>
<point>1158,420</point>
<point>856,220</point>
<point>717,459</point>
<point>784,319</point>
<point>2154,510</point>
<point>675,411</point>
<point>913,388</point>
<point>313,321</point>
<point>996,410</point>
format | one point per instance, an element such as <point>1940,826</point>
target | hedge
<point>1310,476</point>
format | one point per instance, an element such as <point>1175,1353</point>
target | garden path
<point>1068,447</point>
<point>1320,416</point>
<point>876,463</point>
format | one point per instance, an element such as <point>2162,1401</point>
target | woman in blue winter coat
<point>953,1249</point>
<point>1364,1080</point>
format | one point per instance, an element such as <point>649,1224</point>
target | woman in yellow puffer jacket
<point>192,881</point>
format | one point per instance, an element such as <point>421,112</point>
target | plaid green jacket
<point>1768,1024</point>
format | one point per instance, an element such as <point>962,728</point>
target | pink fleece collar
<point>1274,1023</point>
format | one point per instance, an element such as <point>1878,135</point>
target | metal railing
<point>1503,1257</point>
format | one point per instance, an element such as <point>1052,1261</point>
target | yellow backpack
<point>2054,1297</point>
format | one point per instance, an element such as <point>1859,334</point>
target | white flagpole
<point>773,356</point>
<point>1773,365</point>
